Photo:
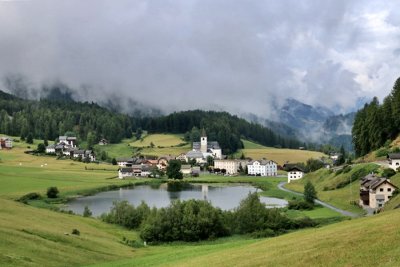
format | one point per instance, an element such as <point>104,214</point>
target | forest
<point>56,115</point>
<point>376,124</point>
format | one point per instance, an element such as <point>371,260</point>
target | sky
<point>239,56</point>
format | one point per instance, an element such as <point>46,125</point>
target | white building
<point>125,172</point>
<point>262,168</point>
<point>124,162</point>
<point>6,142</point>
<point>67,140</point>
<point>51,149</point>
<point>207,148</point>
<point>295,173</point>
<point>394,160</point>
<point>231,166</point>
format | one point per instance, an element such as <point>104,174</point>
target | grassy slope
<point>372,241</point>
<point>36,237</point>
<point>166,140</point>
<point>339,197</point>
<point>279,155</point>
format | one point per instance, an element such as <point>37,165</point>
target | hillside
<point>336,188</point>
<point>279,155</point>
<point>371,241</point>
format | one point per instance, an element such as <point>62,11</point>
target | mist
<point>238,56</point>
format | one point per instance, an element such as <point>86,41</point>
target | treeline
<point>196,220</point>
<point>377,124</point>
<point>220,126</point>
<point>47,119</point>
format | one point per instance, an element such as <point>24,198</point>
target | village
<point>206,157</point>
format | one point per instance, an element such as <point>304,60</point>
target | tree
<point>309,192</point>
<point>91,140</point>
<point>114,161</point>
<point>29,138</point>
<point>174,169</point>
<point>41,148</point>
<point>242,156</point>
<point>87,212</point>
<point>388,172</point>
<point>45,142</point>
<point>52,192</point>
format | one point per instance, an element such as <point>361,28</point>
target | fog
<point>239,56</point>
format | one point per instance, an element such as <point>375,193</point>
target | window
<point>380,205</point>
<point>381,189</point>
<point>389,189</point>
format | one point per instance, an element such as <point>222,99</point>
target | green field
<point>279,155</point>
<point>163,140</point>
<point>33,236</point>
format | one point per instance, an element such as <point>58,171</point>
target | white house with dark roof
<point>6,142</point>
<point>394,160</point>
<point>125,162</point>
<point>295,173</point>
<point>51,149</point>
<point>67,140</point>
<point>375,191</point>
<point>262,168</point>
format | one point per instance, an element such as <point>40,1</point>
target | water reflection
<point>224,197</point>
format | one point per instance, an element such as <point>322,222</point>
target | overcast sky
<point>242,56</point>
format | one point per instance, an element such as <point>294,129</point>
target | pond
<point>226,197</point>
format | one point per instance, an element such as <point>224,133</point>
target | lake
<point>226,197</point>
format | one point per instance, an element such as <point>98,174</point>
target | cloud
<point>240,56</point>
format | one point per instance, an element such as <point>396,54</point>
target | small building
<point>125,172</point>
<point>125,162</point>
<point>262,168</point>
<point>83,154</point>
<point>295,173</point>
<point>51,149</point>
<point>186,170</point>
<point>375,191</point>
<point>103,142</point>
<point>67,140</point>
<point>394,160</point>
<point>182,157</point>
<point>197,156</point>
<point>6,142</point>
<point>334,156</point>
<point>195,171</point>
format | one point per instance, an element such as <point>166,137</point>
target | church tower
<point>203,141</point>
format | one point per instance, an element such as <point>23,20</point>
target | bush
<point>87,212</point>
<point>127,215</point>
<point>52,192</point>
<point>300,205</point>
<point>347,169</point>
<point>388,172</point>
<point>29,196</point>
<point>76,232</point>
<point>382,152</point>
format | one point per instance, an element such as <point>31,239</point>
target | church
<point>203,149</point>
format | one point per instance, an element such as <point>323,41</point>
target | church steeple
<point>203,141</point>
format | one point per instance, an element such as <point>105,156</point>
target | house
<point>59,148</point>
<point>6,142</point>
<point>375,191</point>
<point>125,172</point>
<point>394,160</point>
<point>51,149</point>
<point>186,170</point>
<point>103,142</point>
<point>83,154</point>
<point>295,173</point>
<point>162,163</point>
<point>195,171</point>
<point>207,148</point>
<point>67,140</point>
<point>334,156</point>
<point>182,157</point>
<point>69,151</point>
<point>231,166</point>
<point>197,156</point>
<point>125,162</point>
<point>262,168</point>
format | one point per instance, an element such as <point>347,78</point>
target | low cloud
<point>240,56</point>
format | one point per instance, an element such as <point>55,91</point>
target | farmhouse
<point>197,156</point>
<point>125,162</point>
<point>6,142</point>
<point>67,140</point>
<point>262,168</point>
<point>231,166</point>
<point>83,154</point>
<point>186,170</point>
<point>182,157</point>
<point>125,172</point>
<point>51,149</point>
<point>375,191</point>
<point>394,160</point>
<point>207,148</point>
<point>295,173</point>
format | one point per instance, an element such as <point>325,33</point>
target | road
<point>343,212</point>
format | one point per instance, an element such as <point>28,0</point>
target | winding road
<point>343,212</point>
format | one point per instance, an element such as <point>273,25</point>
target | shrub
<point>382,152</point>
<point>347,169</point>
<point>127,215</point>
<point>29,196</point>
<point>52,192</point>
<point>388,172</point>
<point>76,232</point>
<point>87,212</point>
<point>300,205</point>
